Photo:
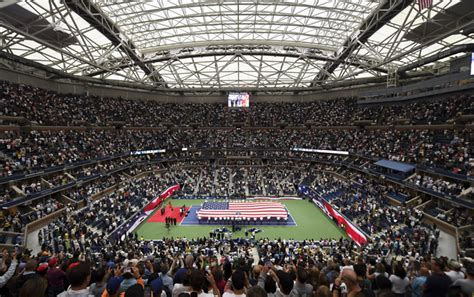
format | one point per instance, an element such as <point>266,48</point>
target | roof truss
<point>216,45</point>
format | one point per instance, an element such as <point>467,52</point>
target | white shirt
<point>455,275</point>
<point>231,294</point>
<point>399,285</point>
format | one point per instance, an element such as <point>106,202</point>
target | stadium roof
<point>229,44</point>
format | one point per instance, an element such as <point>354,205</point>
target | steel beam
<point>243,53</point>
<point>103,24</point>
<point>372,24</point>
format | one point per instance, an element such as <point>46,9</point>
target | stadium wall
<point>81,88</point>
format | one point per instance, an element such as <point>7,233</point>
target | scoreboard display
<point>238,99</point>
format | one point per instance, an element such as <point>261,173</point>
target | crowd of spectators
<point>49,108</point>
<point>15,220</point>
<point>79,257</point>
<point>359,199</point>
<point>448,149</point>
<point>439,185</point>
<point>229,267</point>
<point>280,267</point>
<point>456,216</point>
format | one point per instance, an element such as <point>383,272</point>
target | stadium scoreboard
<point>238,99</point>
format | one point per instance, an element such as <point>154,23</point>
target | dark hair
<point>186,278</point>
<point>164,267</point>
<point>360,270</point>
<point>270,285</point>
<point>31,265</point>
<point>439,262</point>
<point>313,275</point>
<point>141,267</point>
<point>400,271</point>
<point>238,280</point>
<point>218,274</point>
<point>227,270</point>
<point>380,268</point>
<point>78,274</point>
<point>135,291</point>
<point>383,282</point>
<point>196,280</point>
<point>323,279</point>
<point>99,274</point>
<point>385,293</point>
<point>35,286</point>
<point>302,275</point>
<point>323,291</point>
<point>455,291</point>
<point>286,282</point>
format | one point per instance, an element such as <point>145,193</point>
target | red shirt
<point>55,277</point>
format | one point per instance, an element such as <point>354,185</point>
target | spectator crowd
<point>80,257</point>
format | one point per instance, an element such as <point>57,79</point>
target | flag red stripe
<point>425,4</point>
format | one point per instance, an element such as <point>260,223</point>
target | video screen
<point>472,64</point>
<point>241,99</point>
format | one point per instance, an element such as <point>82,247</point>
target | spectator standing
<point>301,288</point>
<point>236,285</point>
<point>98,287</point>
<point>418,283</point>
<point>79,276</point>
<point>55,277</point>
<point>29,273</point>
<point>467,285</point>
<point>438,282</point>
<point>400,281</point>
<point>11,270</point>
<point>455,272</point>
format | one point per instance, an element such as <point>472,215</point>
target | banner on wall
<point>162,197</point>
<point>351,230</point>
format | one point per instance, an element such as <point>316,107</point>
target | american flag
<point>425,4</point>
<point>242,210</point>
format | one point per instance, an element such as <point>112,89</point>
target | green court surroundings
<point>311,222</point>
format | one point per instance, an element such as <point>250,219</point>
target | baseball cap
<point>52,262</point>
<point>43,267</point>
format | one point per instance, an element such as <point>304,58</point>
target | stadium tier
<point>237,148</point>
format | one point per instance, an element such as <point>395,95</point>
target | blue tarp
<point>397,166</point>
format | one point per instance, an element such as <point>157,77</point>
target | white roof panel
<point>209,43</point>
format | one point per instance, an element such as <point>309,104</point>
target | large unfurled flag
<point>163,196</point>
<point>242,210</point>
<point>422,4</point>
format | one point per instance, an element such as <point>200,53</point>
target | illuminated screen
<point>238,99</point>
<point>472,64</point>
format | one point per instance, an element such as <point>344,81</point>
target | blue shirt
<point>417,286</point>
